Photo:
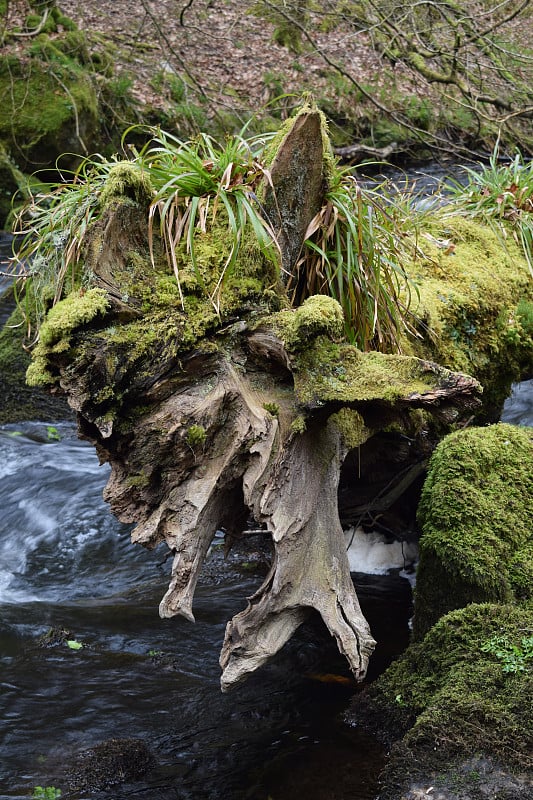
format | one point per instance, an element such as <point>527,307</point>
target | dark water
<point>66,563</point>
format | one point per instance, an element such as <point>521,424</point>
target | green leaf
<point>74,645</point>
<point>52,434</point>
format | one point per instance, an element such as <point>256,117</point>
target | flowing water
<point>66,564</point>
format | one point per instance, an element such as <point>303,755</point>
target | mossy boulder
<point>454,696</point>
<point>476,514</point>
<point>47,107</point>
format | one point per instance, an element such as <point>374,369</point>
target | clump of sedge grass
<point>49,234</point>
<point>353,247</point>
<point>194,181</point>
<point>502,196</point>
<point>353,252</point>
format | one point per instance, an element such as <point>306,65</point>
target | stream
<point>84,656</point>
<point>66,564</point>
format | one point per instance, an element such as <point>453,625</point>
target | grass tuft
<point>501,195</point>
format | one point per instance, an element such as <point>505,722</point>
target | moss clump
<point>196,435</point>
<point>469,278</point>
<point>272,409</point>
<point>298,425</point>
<point>318,315</point>
<point>352,427</point>
<point>452,693</point>
<point>127,180</point>
<point>62,320</point>
<point>476,513</point>
<point>327,371</point>
<point>38,115</point>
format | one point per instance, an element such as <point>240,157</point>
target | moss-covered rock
<point>48,106</point>
<point>476,514</point>
<point>453,696</point>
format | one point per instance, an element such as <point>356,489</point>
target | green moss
<point>196,435</point>
<point>207,283</point>
<point>298,425</point>
<point>521,572</point>
<point>476,513</point>
<point>272,408</point>
<point>352,427</point>
<point>454,695</point>
<point>138,481</point>
<point>43,105</point>
<point>127,180</point>
<point>67,315</point>
<point>62,320</point>
<point>469,280</point>
<point>318,315</point>
<point>327,371</point>
<point>274,145</point>
<point>65,22</point>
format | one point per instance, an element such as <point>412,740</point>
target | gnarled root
<point>310,568</point>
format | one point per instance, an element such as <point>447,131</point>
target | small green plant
<point>513,657</point>
<point>72,644</point>
<point>353,252</point>
<point>155,653</point>
<point>196,435</point>
<point>46,793</point>
<point>52,434</point>
<point>272,408</point>
<point>501,195</point>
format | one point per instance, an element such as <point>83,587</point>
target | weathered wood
<point>298,181</point>
<point>310,569</point>
<point>205,423</point>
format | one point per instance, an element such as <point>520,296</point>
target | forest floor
<point>226,55</point>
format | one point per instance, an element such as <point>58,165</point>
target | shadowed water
<point>67,564</point>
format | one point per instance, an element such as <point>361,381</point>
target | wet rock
<point>109,763</point>
<point>471,779</point>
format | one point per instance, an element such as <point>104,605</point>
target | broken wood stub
<point>296,192</point>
